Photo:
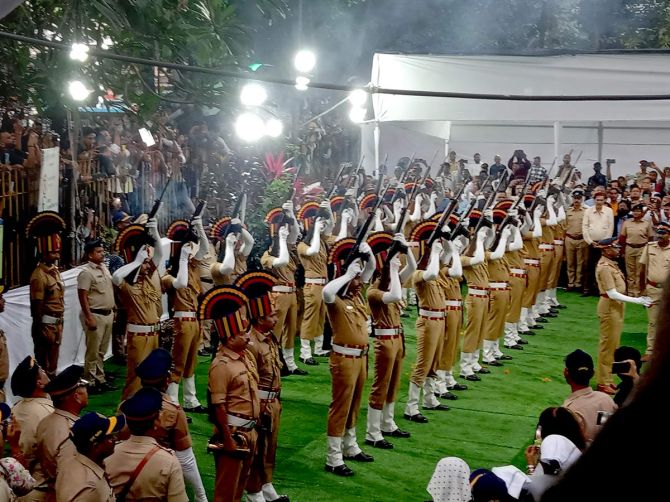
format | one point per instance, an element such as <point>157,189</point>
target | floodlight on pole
<point>79,52</point>
<point>357,114</point>
<point>253,94</point>
<point>78,91</point>
<point>304,61</point>
<point>249,127</point>
<point>274,128</point>
<point>301,83</point>
<point>358,97</point>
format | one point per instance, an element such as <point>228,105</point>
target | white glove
<point>283,232</point>
<point>419,198</point>
<point>197,220</point>
<point>551,200</point>
<point>542,193</point>
<point>488,214</point>
<point>365,248</point>
<point>187,249</point>
<point>538,211</point>
<point>398,204</point>
<point>143,254</point>
<point>235,221</point>
<point>513,213</point>
<point>459,244</point>
<point>287,206</point>
<point>482,235</point>
<point>152,223</point>
<point>481,197</point>
<point>325,204</point>
<point>506,232</point>
<point>433,196</point>
<point>355,268</point>
<point>231,238</point>
<point>437,246</point>
<point>319,225</point>
<point>347,216</point>
<point>395,263</point>
<point>400,238</point>
<point>644,301</point>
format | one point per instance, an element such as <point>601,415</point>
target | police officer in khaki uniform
<point>84,477</point>
<point>612,287</point>
<point>140,468</point>
<point>171,424</point>
<point>234,402</point>
<point>265,350</point>
<point>28,382</point>
<point>182,283</point>
<point>53,449</point>
<point>140,291</point>
<point>531,260</point>
<point>384,297</point>
<point>96,298</point>
<point>236,244</point>
<point>47,289</point>
<point>576,249</point>
<point>654,272</point>
<point>313,254</point>
<point>347,314</point>
<point>281,259</point>
<point>635,234</point>
<point>517,280</point>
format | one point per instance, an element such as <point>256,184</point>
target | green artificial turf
<point>489,425</point>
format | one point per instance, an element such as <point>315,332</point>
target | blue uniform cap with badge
<point>609,243</point>
<point>143,405</point>
<point>663,228</point>
<point>155,367</point>
<point>68,380</point>
<point>24,378</point>
<point>579,361</point>
<point>91,244</point>
<point>93,428</point>
<point>485,486</point>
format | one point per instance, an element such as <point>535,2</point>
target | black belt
<point>207,281</point>
<point>102,311</point>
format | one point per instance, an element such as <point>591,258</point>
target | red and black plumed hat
<point>257,286</point>
<point>226,306</point>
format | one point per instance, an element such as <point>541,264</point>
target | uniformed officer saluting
<point>233,392</point>
<point>47,289</point>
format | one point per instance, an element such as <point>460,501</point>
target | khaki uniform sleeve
<point>375,296</point>
<point>302,249</point>
<point>267,260</point>
<point>605,278</point>
<point>37,286</point>
<point>417,276</point>
<point>182,436</point>
<point>84,280</point>
<point>466,261</point>
<point>644,257</point>
<point>215,270</point>
<point>219,381</point>
<point>166,282</point>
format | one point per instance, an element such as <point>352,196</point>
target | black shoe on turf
<point>514,347</point>
<point>472,378</point>
<point>418,418</point>
<point>382,444</point>
<point>361,457</point>
<point>541,320</point>
<point>281,498</point>
<point>447,395</point>
<point>398,433</point>
<point>439,407</point>
<point>529,333</point>
<point>340,470</point>
<point>535,327</point>
<point>298,371</point>
<point>521,341</point>
<point>310,361</point>
<point>196,409</point>
<point>494,363</point>
<point>505,357</point>
<point>483,371</point>
<point>458,386</point>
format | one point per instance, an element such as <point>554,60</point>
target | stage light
<point>253,95</point>
<point>305,61</point>
<point>78,90</point>
<point>358,97</point>
<point>79,52</point>
<point>274,128</point>
<point>301,83</point>
<point>249,127</point>
<point>357,114</point>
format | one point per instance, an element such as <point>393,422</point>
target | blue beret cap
<point>143,405</point>
<point>66,381</point>
<point>155,367</point>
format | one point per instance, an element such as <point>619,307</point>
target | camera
<point>620,367</point>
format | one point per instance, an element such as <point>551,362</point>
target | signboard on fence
<point>48,199</point>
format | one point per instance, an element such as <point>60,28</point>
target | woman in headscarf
<point>450,481</point>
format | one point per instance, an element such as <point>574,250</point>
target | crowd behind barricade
<point>332,275</point>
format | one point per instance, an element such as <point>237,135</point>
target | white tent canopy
<point>626,130</point>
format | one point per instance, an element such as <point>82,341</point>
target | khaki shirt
<point>559,230</point>
<point>265,350</point>
<point>286,273</point>
<point>97,281</point>
<point>315,266</point>
<point>233,383</point>
<point>477,276</point>
<point>227,279</point>
<point>205,265</point>
<point>637,232</point>
<point>498,270</point>
<point>429,293</point>
<point>172,421</point>
<point>657,262</point>
<point>47,286</point>
<point>530,250</point>
<point>184,299</point>
<point>597,225</point>
<point>609,276</point>
<point>29,412</point>
<point>160,479</point>
<point>547,234</point>
<point>574,218</point>
<point>54,449</point>
<point>383,315</point>
<point>450,285</point>
<point>349,320</point>
<point>142,299</point>
<point>515,259</point>
<point>586,403</point>
<point>83,481</point>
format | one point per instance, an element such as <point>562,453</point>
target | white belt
<point>480,292</point>
<point>267,395</point>
<point>47,319</point>
<point>519,271</point>
<point>142,328</point>
<point>438,314</point>
<point>382,332</point>
<point>558,242</point>
<point>315,281</point>
<point>182,314</point>
<point>241,422</point>
<point>546,247</point>
<point>531,261</point>
<point>453,303</point>
<point>498,285</point>
<point>284,289</point>
<point>347,351</point>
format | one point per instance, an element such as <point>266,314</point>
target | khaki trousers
<point>314,315</point>
<point>652,316</point>
<point>452,337</point>
<point>499,300</point>
<point>546,263</point>
<point>389,355</point>
<point>576,255</point>
<point>429,341</point>
<point>47,342</point>
<point>530,293</point>
<point>633,266</point>
<point>517,286</point>
<point>475,325</point>
<point>184,348</point>
<point>348,378</point>
<point>555,272</point>
<point>139,346</point>
<point>232,473</point>
<point>97,343</point>
<point>610,313</point>
<point>286,306</point>
<point>263,465</point>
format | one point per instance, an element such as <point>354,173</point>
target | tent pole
<point>601,134</point>
<point>377,139</point>
<point>557,139</point>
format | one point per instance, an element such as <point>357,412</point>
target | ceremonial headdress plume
<point>45,229</point>
<point>368,202</point>
<point>380,242</point>
<point>338,255</point>
<point>257,286</point>
<point>274,220</point>
<point>130,240</point>
<point>225,305</point>
<point>308,213</point>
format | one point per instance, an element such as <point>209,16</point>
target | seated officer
<point>84,478</point>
